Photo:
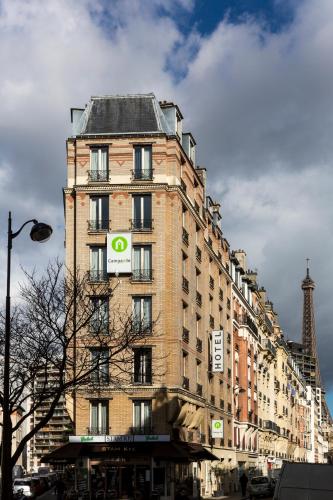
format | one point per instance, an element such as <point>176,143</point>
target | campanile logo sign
<point>119,253</point>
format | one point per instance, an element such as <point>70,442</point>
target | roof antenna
<point>307,268</point>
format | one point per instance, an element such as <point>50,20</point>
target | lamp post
<point>40,232</point>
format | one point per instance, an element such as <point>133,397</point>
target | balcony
<point>199,345</point>
<point>199,389</point>
<point>141,224</point>
<point>186,335</point>
<point>185,285</point>
<point>186,383</point>
<point>185,237</point>
<point>198,254</point>
<point>198,299</point>
<point>145,174</point>
<point>98,431</point>
<point>142,429</point>
<point>197,207</point>
<point>211,283</point>
<point>211,321</point>
<point>99,225</point>
<point>97,276</point>
<point>269,347</point>
<point>142,275</point>
<point>98,175</point>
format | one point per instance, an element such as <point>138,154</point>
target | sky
<point>254,81</point>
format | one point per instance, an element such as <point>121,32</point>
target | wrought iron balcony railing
<point>186,335</point>
<point>98,175</point>
<point>199,345</point>
<point>198,254</point>
<point>186,383</point>
<point>142,429</point>
<point>141,224</point>
<point>198,299</point>
<point>185,236</point>
<point>98,431</point>
<point>185,284</point>
<point>199,389</point>
<point>99,225</point>
<point>142,275</point>
<point>145,174</point>
<point>97,275</point>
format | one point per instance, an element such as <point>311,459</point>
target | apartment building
<point>132,170</point>
<point>51,436</point>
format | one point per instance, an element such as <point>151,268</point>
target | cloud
<point>259,104</point>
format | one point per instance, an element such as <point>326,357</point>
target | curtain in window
<point>137,207</point>
<point>137,258</point>
<point>104,159</point>
<point>94,259</point>
<point>104,368</point>
<point>147,159</point>
<point>104,313</point>
<point>146,312</point>
<point>137,160</point>
<point>147,414</point>
<point>147,207</point>
<point>94,417</point>
<point>137,415</point>
<point>137,312</point>
<point>104,418</point>
<point>94,160</point>
<point>147,257</point>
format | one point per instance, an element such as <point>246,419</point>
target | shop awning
<point>169,451</point>
<point>67,453</point>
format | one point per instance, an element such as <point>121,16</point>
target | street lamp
<point>40,232</point>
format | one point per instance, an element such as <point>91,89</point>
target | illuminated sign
<point>217,351</point>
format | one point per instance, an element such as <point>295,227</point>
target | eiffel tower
<point>309,330</point>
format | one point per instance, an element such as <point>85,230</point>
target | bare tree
<point>68,325</point>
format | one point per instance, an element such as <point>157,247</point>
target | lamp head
<point>40,232</point>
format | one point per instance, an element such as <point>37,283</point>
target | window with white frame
<point>100,362</point>
<point>143,162</point>
<point>99,417</point>
<point>142,212</point>
<point>142,312</point>
<point>142,268</point>
<point>99,163</point>
<point>99,322</point>
<point>142,416</point>
<point>99,213</point>
<point>98,263</point>
<point>142,365</point>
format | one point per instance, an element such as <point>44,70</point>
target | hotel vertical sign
<point>217,351</point>
<point>119,253</point>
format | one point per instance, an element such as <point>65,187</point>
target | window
<point>142,263</point>
<point>99,213</point>
<point>98,264</point>
<point>100,360</point>
<point>99,322</point>
<point>143,162</point>
<point>98,164</point>
<point>142,213</point>
<point>99,417</point>
<point>142,365</point>
<point>142,313</point>
<point>142,417</point>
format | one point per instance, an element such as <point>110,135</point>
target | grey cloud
<point>259,104</point>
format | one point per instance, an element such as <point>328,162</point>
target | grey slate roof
<point>131,114</point>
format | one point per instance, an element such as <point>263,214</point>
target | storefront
<point>132,467</point>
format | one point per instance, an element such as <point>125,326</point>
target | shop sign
<point>121,438</point>
<point>217,429</point>
<point>217,351</point>
<point>87,439</point>
<point>119,253</point>
<point>151,438</point>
